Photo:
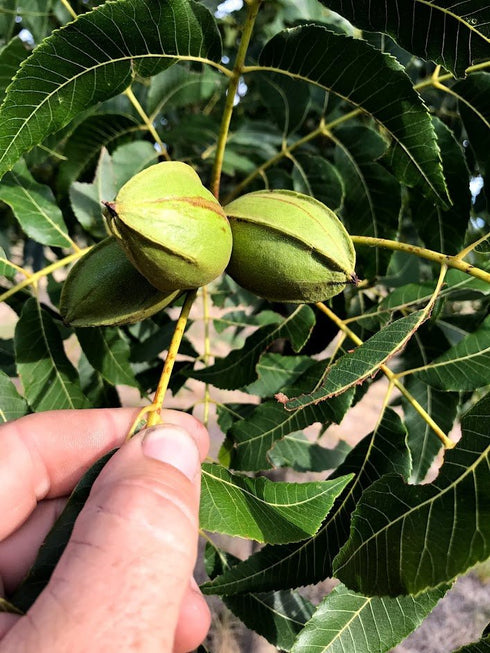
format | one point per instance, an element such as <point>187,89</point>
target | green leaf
<point>464,367</point>
<point>407,538</point>
<point>254,436</point>
<point>297,452</point>
<point>474,106</point>
<point>34,207</point>
<point>483,646</point>
<point>353,368</point>
<point>11,57</point>
<point>56,540</point>
<point>50,381</point>
<point>84,144</point>
<point>6,268</point>
<point>315,176</point>
<point>108,352</point>
<point>274,371</point>
<point>93,59</point>
<point>372,81</point>
<point>443,230</point>
<point>239,367</point>
<point>287,100</point>
<point>368,624</point>
<point>180,87</point>
<point>277,567</point>
<point>277,616</point>
<point>112,172</point>
<point>12,405</point>
<point>453,34</point>
<point>372,205</point>
<point>241,320</point>
<point>259,509</point>
<point>422,441</point>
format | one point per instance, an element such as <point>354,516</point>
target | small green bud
<point>104,289</point>
<point>172,229</point>
<point>289,247</point>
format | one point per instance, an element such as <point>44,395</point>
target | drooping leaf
<point>56,540</point>
<point>287,100</point>
<point>11,56</point>
<point>93,58</point>
<point>274,371</point>
<point>443,230</point>
<point>277,567</point>
<point>259,509</point>
<point>34,207</point>
<point>239,367</point>
<point>474,106</point>
<point>372,200</point>
<point>50,381</point>
<point>345,619</point>
<point>422,441</point>
<point>252,438</point>
<point>372,81</point>
<point>12,405</point>
<point>241,320</point>
<point>407,538</point>
<point>112,172</point>
<point>353,368</point>
<point>108,352</point>
<point>299,453</point>
<point>453,34</point>
<point>86,141</point>
<point>466,366</point>
<point>179,87</point>
<point>315,176</point>
<point>277,616</point>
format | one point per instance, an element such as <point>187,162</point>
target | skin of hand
<point>124,581</point>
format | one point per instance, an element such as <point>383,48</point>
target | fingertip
<point>193,426</point>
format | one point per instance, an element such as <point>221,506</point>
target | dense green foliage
<point>379,110</point>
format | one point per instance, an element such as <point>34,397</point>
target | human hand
<point>124,581</point>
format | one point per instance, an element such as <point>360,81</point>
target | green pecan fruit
<point>172,228</point>
<point>104,289</point>
<point>289,247</point>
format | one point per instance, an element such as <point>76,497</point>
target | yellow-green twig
<point>69,9</point>
<point>34,278</point>
<point>422,252</point>
<point>153,409</point>
<point>392,377</point>
<point>252,11</point>
<point>147,122</point>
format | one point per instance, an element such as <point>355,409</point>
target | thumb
<point>121,580</point>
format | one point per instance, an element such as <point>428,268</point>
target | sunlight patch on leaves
<point>277,567</point>
<point>262,510</point>
<point>345,619</point>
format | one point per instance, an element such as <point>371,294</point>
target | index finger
<point>45,454</point>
